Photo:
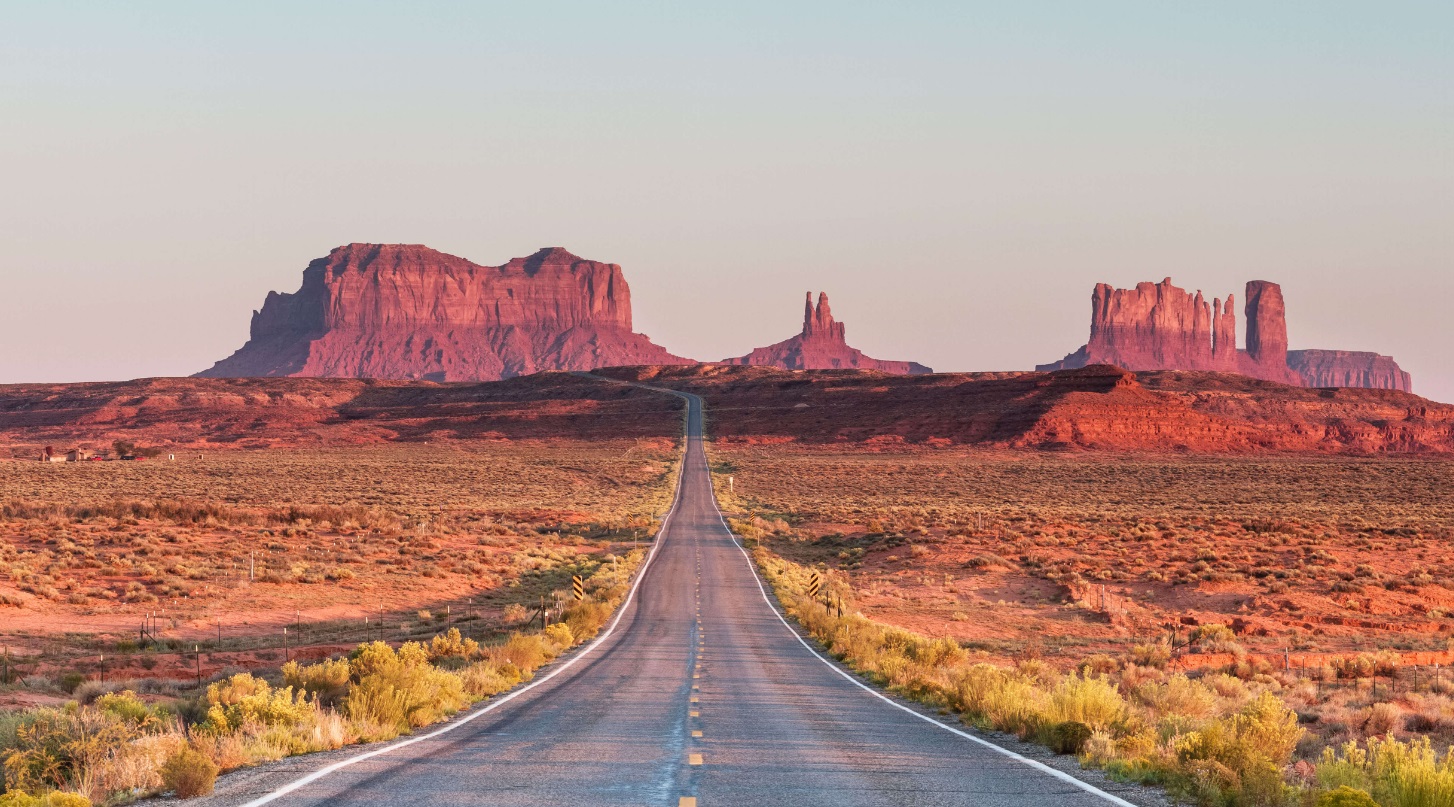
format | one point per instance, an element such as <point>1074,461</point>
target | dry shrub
<point>19,798</point>
<point>1092,700</point>
<point>189,773</point>
<point>244,701</point>
<point>394,692</point>
<point>515,613</point>
<point>95,750</point>
<point>1381,718</point>
<point>525,651</point>
<point>485,678</point>
<point>1396,774</point>
<point>996,698</point>
<point>1345,796</point>
<point>326,681</point>
<point>560,633</point>
<point>1179,697</point>
<point>451,645</point>
<point>1151,655</point>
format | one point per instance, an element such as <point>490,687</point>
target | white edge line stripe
<point>513,694</point>
<point>1040,766</point>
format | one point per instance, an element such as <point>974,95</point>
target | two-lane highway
<point>699,694</point>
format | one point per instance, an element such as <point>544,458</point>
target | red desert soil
<point>1165,497</point>
<point>1064,556</point>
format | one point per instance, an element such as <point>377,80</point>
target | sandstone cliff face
<point>822,345</point>
<point>1156,325</point>
<point>399,311</point>
<point>1162,327</point>
<point>1348,368</point>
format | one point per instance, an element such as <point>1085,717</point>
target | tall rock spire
<point>818,323</point>
<point>1224,336</point>
<point>1266,313</point>
<point>822,345</point>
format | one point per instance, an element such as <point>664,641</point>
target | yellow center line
<point>697,733</point>
<point>687,801</point>
<point>694,759</point>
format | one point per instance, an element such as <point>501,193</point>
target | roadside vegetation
<point>1239,630</point>
<point>1217,739</point>
<point>113,744</point>
<point>221,555</point>
<point>425,568</point>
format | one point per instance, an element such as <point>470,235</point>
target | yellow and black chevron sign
<point>814,584</point>
<point>578,587</point>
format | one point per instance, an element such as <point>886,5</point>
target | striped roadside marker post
<point>815,583</point>
<point>578,587</point>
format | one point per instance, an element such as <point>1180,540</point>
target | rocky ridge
<point>822,345</point>
<point>1097,408</point>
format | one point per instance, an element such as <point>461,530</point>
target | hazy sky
<point>956,175</point>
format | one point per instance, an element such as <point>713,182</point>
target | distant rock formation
<point>402,311</point>
<point>1348,368</point>
<point>1266,354</point>
<point>822,346</point>
<point>1157,326</point>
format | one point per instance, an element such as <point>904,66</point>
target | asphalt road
<point>700,692</point>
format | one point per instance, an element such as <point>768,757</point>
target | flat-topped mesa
<point>1157,326</point>
<point>405,311</point>
<point>1348,368</point>
<point>822,345</point>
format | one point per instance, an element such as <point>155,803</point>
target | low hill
<point>279,412</point>
<point>1092,408</point>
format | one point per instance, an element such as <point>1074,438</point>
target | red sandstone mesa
<point>1348,368</point>
<point>1157,326</point>
<point>402,311</point>
<point>822,346</point>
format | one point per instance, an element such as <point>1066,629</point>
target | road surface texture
<point>700,695</point>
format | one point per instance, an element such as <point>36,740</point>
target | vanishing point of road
<point>699,694</point>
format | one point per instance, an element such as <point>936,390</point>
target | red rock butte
<point>405,311</point>
<point>1157,326</point>
<point>822,345</point>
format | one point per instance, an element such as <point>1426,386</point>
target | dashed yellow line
<point>687,801</point>
<point>694,759</point>
<point>697,733</point>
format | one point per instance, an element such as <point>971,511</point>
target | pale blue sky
<point>956,175</point>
